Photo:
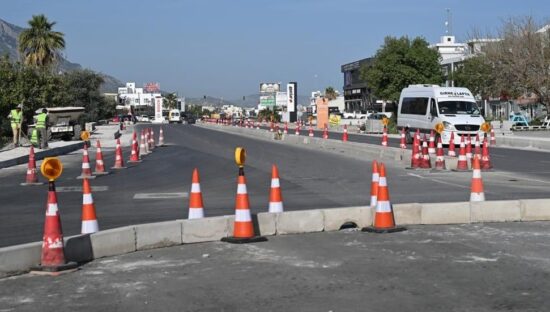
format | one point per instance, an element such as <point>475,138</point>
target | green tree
<point>170,100</point>
<point>477,74</point>
<point>330,93</point>
<point>39,45</point>
<point>399,63</point>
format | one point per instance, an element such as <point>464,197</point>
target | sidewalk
<point>105,133</point>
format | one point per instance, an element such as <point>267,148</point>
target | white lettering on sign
<point>455,93</point>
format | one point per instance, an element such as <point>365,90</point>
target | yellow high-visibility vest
<point>16,117</point>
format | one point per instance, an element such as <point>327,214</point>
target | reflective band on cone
<point>431,146</point>
<point>374,185</point>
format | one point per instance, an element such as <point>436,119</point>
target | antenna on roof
<point>448,23</point>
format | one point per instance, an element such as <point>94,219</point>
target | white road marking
<point>79,188</point>
<point>160,195</point>
<point>439,181</point>
<point>521,178</point>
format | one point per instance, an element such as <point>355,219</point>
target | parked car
<point>377,116</point>
<point>143,118</point>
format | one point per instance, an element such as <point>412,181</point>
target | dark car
<point>190,120</point>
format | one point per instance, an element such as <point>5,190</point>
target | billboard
<point>267,100</point>
<point>158,109</point>
<point>152,87</point>
<point>281,99</point>
<point>269,87</point>
<point>292,97</point>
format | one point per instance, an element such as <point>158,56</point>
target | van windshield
<point>458,107</point>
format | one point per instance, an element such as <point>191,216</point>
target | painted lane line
<point>439,181</point>
<point>521,178</point>
<point>66,189</point>
<point>160,195</point>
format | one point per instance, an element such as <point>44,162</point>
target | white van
<point>424,106</point>
<point>174,116</point>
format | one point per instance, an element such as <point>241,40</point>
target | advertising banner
<point>158,110</point>
<point>291,94</point>
<point>281,99</point>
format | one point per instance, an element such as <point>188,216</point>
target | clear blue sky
<point>225,48</point>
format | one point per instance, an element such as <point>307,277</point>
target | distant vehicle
<point>424,106</point>
<point>519,120</point>
<point>143,118</point>
<point>65,122</point>
<point>190,120</point>
<point>174,116</point>
<point>357,114</point>
<point>377,116</point>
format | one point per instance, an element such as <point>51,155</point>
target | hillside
<point>8,45</point>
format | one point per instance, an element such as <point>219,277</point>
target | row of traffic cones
<point>147,143</point>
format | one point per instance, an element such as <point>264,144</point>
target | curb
<point>84,248</point>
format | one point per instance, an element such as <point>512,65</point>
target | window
<point>414,106</point>
<point>458,107</point>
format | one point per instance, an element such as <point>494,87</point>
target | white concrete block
<point>206,229</point>
<point>159,234</point>
<point>445,213</point>
<point>267,222</point>
<point>336,217</point>
<point>496,211</point>
<point>535,209</point>
<point>304,221</point>
<point>19,258</point>
<point>407,213</point>
<point>113,242</point>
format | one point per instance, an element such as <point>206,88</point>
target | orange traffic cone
<point>477,193</point>
<point>243,229</point>
<point>119,161</point>
<point>285,131</point>
<point>439,158</point>
<point>374,185</point>
<point>297,129</point>
<point>52,260</point>
<point>384,137</point>
<point>462,164</point>
<point>89,219</point>
<point>146,141</point>
<point>468,147</point>
<point>271,128</point>
<point>477,149</point>
<point>431,144</point>
<point>403,143</point>
<point>416,158</point>
<point>426,163</point>
<point>134,156</point>
<point>325,132</point>
<point>275,196</point>
<point>196,210</point>
<point>384,221</point>
<point>310,134</point>
<point>32,177</point>
<point>99,164</point>
<point>345,135</point>
<point>451,152</point>
<point>493,138</point>
<point>485,162</point>
<point>142,148</point>
<point>86,170</point>
<point>152,138</point>
<point>161,137</point>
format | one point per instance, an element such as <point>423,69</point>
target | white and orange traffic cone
<point>99,164</point>
<point>142,146</point>
<point>477,148</point>
<point>431,145</point>
<point>310,134</point>
<point>161,137</point>
<point>52,259</point>
<point>325,132</point>
<point>134,156</point>
<point>196,209</point>
<point>485,162</point>
<point>493,138</point>
<point>469,147</point>
<point>440,157</point>
<point>416,157</point>
<point>285,131</point>
<point>426,163</point>
<point>403,143</point>
<point>297,130</point>
<point>119,160</point>
<point>89,218</point>
<point>345,134</point>
<point>31,177</point>
<point>462,164</point>
<point>271,127</point>
<point>86,168</point>
<point>275,196</point>
<point>153,145</point>
<point>243,229</point>
<point>385,137</point>
<point>451,152</point>
<point>146,142</point>
<point>374,185</point>
<point>384,221</point>
<point>477,194</point>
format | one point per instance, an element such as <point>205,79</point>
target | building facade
<point>356,92</point>
<point>135,99</point>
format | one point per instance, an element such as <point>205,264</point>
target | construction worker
<point>41,122</point>
<point>16,119</point>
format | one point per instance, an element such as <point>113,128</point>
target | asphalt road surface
<point>474,267</point>
<point>310,179</point>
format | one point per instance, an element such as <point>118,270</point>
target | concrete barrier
<point>206,229</point>
<point>114,242</point>
<point>407,213</point>
<point>445,213</point>
<point>267,223</point>
<point>535,209</point>
<point>39,155</point>
<point>336,217</point>
<point>19,258</point>
<point>160,234</point>
<point>303,221</point>
<point>495,211</point>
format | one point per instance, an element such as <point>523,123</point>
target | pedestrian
<point>41,122</point>
<point>16,119</point>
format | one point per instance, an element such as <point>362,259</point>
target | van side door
<point>433,114</point>
<point>415,112</point>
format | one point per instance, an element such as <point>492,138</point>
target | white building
<point>132,96</point>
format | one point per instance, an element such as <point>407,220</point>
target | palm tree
<point>170,100</point>
<point>39,45</point>
<point>330,93</point>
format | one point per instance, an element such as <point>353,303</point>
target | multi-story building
<point>356,92</point>
<point>135,99</point>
